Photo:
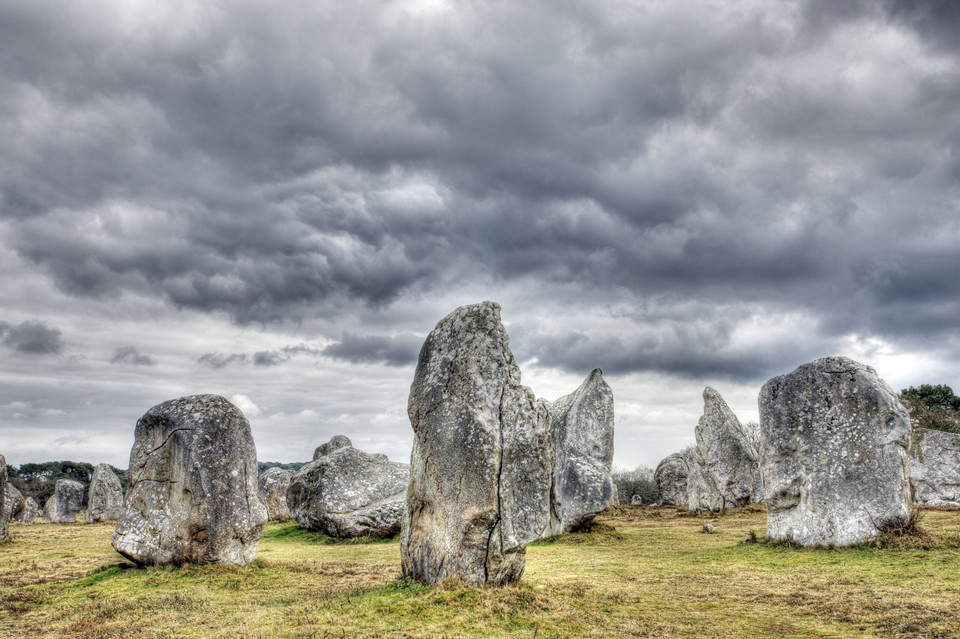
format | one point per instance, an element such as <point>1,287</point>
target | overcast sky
<point>277,201</point>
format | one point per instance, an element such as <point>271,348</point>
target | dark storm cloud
<point>272,358</point>
<point>398,350</point>
<point>32,337</point>
<point>130,355</point>
<point>301,163</point>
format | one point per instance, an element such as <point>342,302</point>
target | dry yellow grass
<point>645,572</point>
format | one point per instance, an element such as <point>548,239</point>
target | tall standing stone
<point>671,479</point>
<point>833,454</point>
<point>727,460</point>
<point>30,510</point>
<point>4,516</point>
<point>479,488</point>
<point>581,432</point>
<point>13,503</point>
<point>65,503</point>
<point>935,467</point>
<point>192,493</point>
<point>272,488</point>
<point>105,496</point>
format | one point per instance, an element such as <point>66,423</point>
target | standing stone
<point>935,467</point>
<point>13,503</point>
<point>65,503</point>
<point>272,488</point>
<point>581,433</point>
<point>192,494</point>
<point>4,516</point>
<point>105,495</point>
<point>833,454</point>
<point>671,478</point>
<point>30,511</point>
<point>636,500</point>
<point>727,458</point>
<point>703,493</point>
<point>482,458</point>
<point>349,493</point>
<point>336,442</point>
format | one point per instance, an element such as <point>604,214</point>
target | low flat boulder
<point>105,496</point>
<point>65,503</point>
<point>671,479</point>
<point>833,454</point>
<point>935,467</point>
<point>272,488</point>
<point>349,493</point>
<point>192,494</point>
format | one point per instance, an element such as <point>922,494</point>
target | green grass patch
<point>293,532</point>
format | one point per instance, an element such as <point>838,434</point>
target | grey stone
<point>13,503</point>
<point>337,441</point>
<point>636,500</point>
<point>726,459</point>
<point>4,515</point>
<point>671,479</point>
<point>708,529</point>
<point>581,433</point>
<point>192,494</point>
<point>272,488</point>
<point>105,496</point>
<point>482,460</point>
<point>65,503</point>
<point>833,454</point>
<point>349,493</point>
<point>30,511</point>
<point>935,467</point>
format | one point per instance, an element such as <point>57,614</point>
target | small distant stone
<point>272,488</point>
<point>65,503</point>
<point>4,515</point>
<point>30,511</point>
<point>636,500</point>
<point>708,529</point>
<point>105,497</point>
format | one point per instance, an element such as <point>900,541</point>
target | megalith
<point>935,467</point>
<point>65,503</point>
<point>30,511</point>
<point>105,495</point>
<point>727,460</point>
<point>337,441</point>
<point>833,454</point>
<point>272,488</point>
<point>671,479</point>
<point>192,493</point>
<point>349,493</point>
<point>482,460</point>
<point>4,515</point>
<point>13,503</point>
<point>581,433</point>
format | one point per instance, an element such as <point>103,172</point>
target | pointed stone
<point>105,495</point>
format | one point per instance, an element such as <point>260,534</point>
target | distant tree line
<point>932,406</point>
<point>39,480</point>
<point>638,481</point>
<point>294,466</point>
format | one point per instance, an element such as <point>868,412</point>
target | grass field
<point>642,572</point>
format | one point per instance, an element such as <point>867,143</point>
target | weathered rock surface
<point>105,496</point>
<point>13,503</point>
<point>727,459</point>
<point>482,460</point>
<point>935,467</point>
<point>636,500</point>
<point>272,488</point>
<point>337,441</point>
<point>192,494</point>
<point>581,433</point>
<point>65,503</point>
<point>671,478</point>
<point>4,516</point>
<point>833,454</point>
<point>30,511</point>
<point>346,492</point>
